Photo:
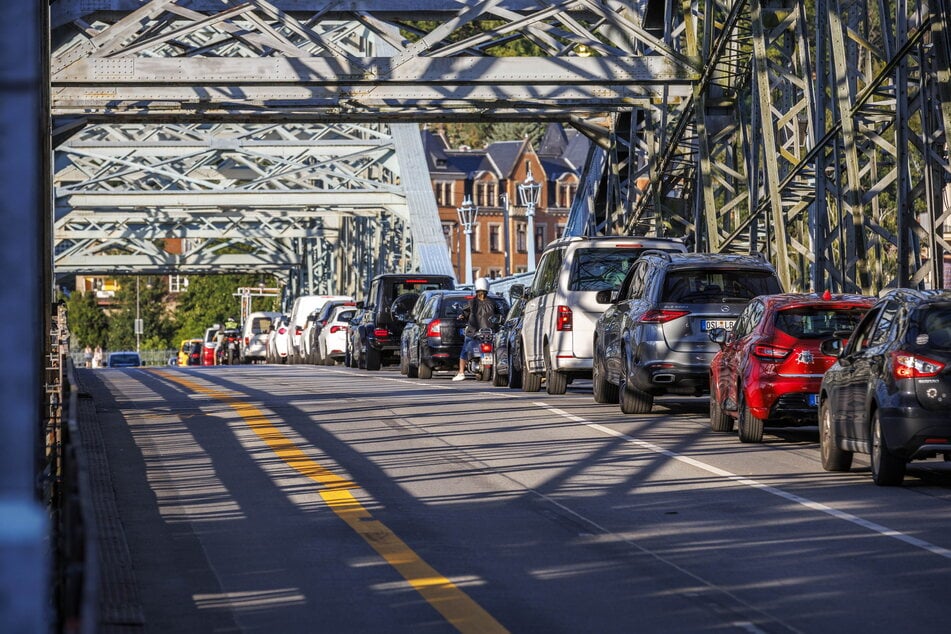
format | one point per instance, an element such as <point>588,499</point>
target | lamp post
<point>506,212</point>
<point>137,325</point>
<point>467,217</point>
<point>528,192</point>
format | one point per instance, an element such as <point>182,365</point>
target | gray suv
<point>653,337</point>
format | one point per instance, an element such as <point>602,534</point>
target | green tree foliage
<point>88,324</point>
<point>152,309</point>
<point>210,300</point>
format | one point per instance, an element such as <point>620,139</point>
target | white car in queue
<point>278,342</point>
<point>332,339</point>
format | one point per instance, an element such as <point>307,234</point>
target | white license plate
<point>488,358</point>
<point>708,324</point>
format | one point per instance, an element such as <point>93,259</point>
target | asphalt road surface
<point>314,499</point>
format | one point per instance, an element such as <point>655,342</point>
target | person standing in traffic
<point>477,315</point>
<point>87,357</point>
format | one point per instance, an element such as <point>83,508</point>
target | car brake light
<point>247,341</point>
<point>381,333</point>
<point>563,321</point>
<point>662,316</point>
<point>334,329</point>
<point>432,330</point>
<point>910,366</point>
<point>281,330</point>
<point>298,330</point>
<point>770,353</point>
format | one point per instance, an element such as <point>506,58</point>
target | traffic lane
<point>533,566</point>
<point>223,536</point>
<point>780,548</point>
<point>793,476</point>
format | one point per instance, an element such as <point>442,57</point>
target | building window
<point>443,191</point>
<point>540,241</point>
<point>559,230</point>
<point>447,228</point>
<point>495,238</point>
<point>565,193</point>
<point>494,273</point>
<point>486,194</point>
<point>477,237</point>
<point>520,237</point>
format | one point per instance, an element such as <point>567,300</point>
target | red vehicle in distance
<point>769,367</point>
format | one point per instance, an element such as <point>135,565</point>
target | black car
<point>508,357</point>
<point>653,338</point>
<point>433,336</point>
<point>889,392</point>
<point>374,334</point>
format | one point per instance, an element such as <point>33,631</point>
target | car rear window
<point>714,286</point>
<point>124,359</point>
<point>345,315</point>
<point>601,269</point>
<point>452,307</point>
<point>395,288</point>
<point>260,324</point>
<point>933,323</point>
<point>817,322</point>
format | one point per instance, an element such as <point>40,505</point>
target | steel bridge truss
<point>815,136</point>
<point>272,135</point>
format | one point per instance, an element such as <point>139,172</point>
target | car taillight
<point>247,341</point>
<point>486,347</point>
<point>298,330</point>
<point>281,330</point>
<point>662,316</point>
<point>381,333</point>
<point>432,330</point>
<point>911,366</point>
<point>563,320</point>
<point>770,353</point>
<point>334,329</point>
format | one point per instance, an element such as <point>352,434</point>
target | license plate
<point>707,324</point>
<point>813,400</point>
<point>488,358</point>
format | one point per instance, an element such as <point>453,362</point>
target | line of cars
<point>874,374</point>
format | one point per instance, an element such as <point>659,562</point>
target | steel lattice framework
<point>813,133</point>
<point>272,135</point>
<point>816,135</point>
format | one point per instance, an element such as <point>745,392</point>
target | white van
<point>560,306</point>
<point>254,335</point>
<point>304,306</point>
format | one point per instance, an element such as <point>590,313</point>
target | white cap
<point>482,284</point>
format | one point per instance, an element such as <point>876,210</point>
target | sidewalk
<point>111,590</point>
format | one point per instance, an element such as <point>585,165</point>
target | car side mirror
<point>718,336</point>
<point>832,347</point>
<point>517,291</point>
<point>607,296</point>
<point>361,304</point>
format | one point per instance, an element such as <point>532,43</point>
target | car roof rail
<point>658,252</point>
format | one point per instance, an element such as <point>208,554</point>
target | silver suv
<point>560,307</point>
<point>653,338</point>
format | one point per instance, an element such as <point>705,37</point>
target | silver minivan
<point>560,305</point>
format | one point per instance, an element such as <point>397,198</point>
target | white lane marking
<point>792,497</point>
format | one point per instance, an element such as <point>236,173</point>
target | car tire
<point>604,391</point>
<point>498,379</point>
<point>373,361</point>
<point>530,382</point>
<point>719,420</point>
<point>404,363</point>
<point>515,372</point>
<point>329,360</point>
<point>749,427</point>
<point>833,458</point>
<point>555,382</point>
<point>888,470</point>
<point>425,371</point>
<point>631,399</point>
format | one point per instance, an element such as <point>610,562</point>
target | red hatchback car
<point>769,367</point>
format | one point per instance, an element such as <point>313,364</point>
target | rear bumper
<point>915,433</point>
<point>440,357</point>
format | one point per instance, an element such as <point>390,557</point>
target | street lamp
<point>467,217</point>
<point>528,192</point>
<point>138,326</point>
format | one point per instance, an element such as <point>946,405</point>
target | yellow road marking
<point>442,594</point>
